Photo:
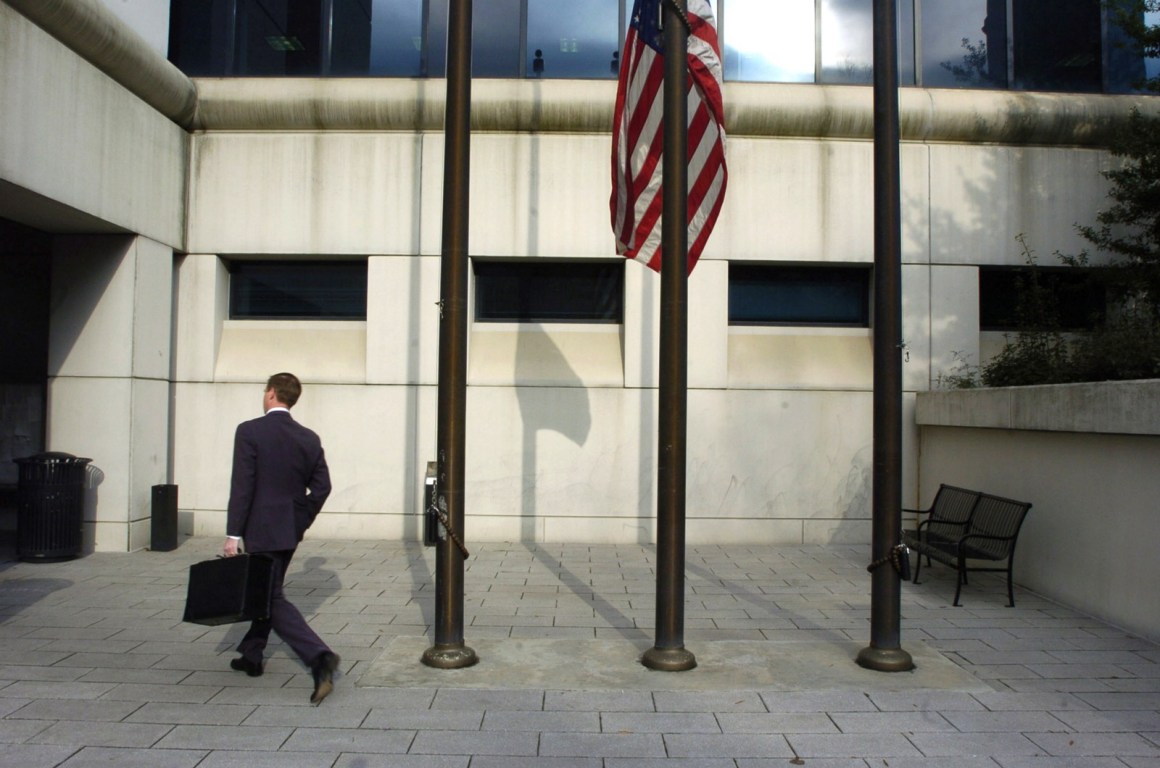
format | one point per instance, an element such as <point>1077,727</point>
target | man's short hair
<point>286,388</point>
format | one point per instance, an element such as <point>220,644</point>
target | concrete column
<point>203,298</point>
<point>110,338</point>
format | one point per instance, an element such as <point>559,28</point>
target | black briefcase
<point>229,589</point>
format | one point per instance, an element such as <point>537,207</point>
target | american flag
<point>637,134</point>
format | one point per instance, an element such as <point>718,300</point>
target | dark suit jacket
<point>280,481</point>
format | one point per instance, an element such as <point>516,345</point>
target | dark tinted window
<point>1057,45</point>
<point>549,291</point>
<point>334,290</point>
<point>1009,297</point>
<point>775,294</point>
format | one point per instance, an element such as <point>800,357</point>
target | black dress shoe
<point>242,664</point>
<point>323,671</point>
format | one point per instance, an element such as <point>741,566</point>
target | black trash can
<point>50,506</point>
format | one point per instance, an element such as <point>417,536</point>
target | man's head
<point>282,389</point>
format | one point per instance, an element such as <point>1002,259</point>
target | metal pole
<point>669,653</point>
<point>449,651</point>
<point>884,652</point>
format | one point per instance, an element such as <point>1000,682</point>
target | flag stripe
<point>638,138</point>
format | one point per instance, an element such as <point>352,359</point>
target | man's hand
<point>231,547</point>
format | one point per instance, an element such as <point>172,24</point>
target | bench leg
<point>961,579</point>
<point>1010,587</point>
<point>918,566</point>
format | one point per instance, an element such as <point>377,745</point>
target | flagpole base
<point>455,656</point>
<point>885,659</point>
<point>669,659</point>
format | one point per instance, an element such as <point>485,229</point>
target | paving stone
<point>495,720</point>
<point>1110,744</point>
<point>370,740</point>
<point>519,744</point>
<point>889,745</point>
<point>709,701</point>
<point>225,737</point>
<point>101,734</point>
<point>33,755</point>
<point>659,722</point>
<point>779,722</point>
<point>890,722</point>
<point>991,744</point>
<point>635,745</point>
<point>121,757</point>
<point>599,701</point>
<point>1061,762</point>
<point>424,719</point>
<point>733,745</point>
<point>275,759</point>
<point>355,760</point>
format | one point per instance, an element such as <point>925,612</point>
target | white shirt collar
<point>279,408</point>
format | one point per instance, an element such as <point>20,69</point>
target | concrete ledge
<point>1112,407</point>
<point>786,110</point>
<point>569,106</point>
<point>97,35</point>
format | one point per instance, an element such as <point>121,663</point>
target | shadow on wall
<point>84,269</point>
<point>955,215</point>
<point>855,500</point>
<point>562,407</point>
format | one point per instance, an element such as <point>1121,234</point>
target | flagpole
<point>669,653</point>
<point>884,652</point>
<point>449,650</point>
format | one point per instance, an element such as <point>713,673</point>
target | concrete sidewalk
<point>98,668</point>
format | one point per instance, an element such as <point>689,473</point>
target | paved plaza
<point>99,670</point>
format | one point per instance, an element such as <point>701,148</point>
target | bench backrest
<point>953,504</point>
<point>950,511</point>
<point>998,517</point>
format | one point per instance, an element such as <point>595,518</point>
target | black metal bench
<point>964,525</point>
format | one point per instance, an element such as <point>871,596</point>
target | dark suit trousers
<point>285,619</point>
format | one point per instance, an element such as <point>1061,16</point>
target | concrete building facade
<point>128,191</point>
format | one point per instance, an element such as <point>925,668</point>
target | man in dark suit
<point>280,481</point>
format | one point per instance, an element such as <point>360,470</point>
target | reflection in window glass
<point>495,33</point>
<point>906,63</point>
<point>1152,65</point>
<point>495,38</point>
<point>397,38</point>
<point>769,42</point>
<point>847,41</point>
<point>577,40</point>
<point>1129,68</point>
<point>964,43</point>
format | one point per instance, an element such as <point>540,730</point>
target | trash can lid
<point>52,456</point>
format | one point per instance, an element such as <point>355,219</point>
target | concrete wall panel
<point>983,197</point>
<point>73,136</point>
<point>316,193</point>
